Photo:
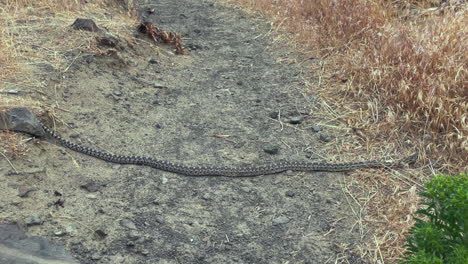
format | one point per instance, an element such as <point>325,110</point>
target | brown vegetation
<point>397,74</point>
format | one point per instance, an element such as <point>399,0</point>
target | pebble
<point>153,61</point>
<point>117,93</point>
<point>90,186</point>
<point>96,256</point>
<point>316,128</point>
<point>271,149</point>
<point>145,252</point>
<point>325,137</point>
<point>101,233</point>
<point>295,120</point>
<point>128,224</point>
<point>134,235</point>
<point>33,220</point>
<point>158,85</point>
<point>274,115</point>
<point>281,220</point>
<point>24,191</point>
<point>290,194</point>
<point>91,196</point>
<point>60,233</point>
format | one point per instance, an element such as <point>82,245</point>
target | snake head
<point>410,160</point>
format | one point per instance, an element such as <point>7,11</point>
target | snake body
<point>243,171</point>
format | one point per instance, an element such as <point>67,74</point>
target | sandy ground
<point>141,102</point>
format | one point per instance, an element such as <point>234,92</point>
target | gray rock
<point>325,137</point>
<point>33,220</point>
<point>296,120</point>
<point>21,119</point>
<point>281,220</point>
<point>158,85</point>
<point>72,228</point>
<point>128,224</point>
<point>134,235</point>
<point>271,149</point>
<point>18,247</point>
<point>316,128</point>
<point>96,256</point>
<point>290,194</point>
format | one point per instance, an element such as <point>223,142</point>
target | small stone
<point>72,228</point>
<point>274,115</point>
<point>90,186</point>
<point>130,243</point>
<point>295,120</point>
<point>91,196</point>
<point>100,233</point>
<point>60,233</point>
<point>85,24</point>
<point>33,220</point>
<point>281,220</point>
<point>145,252</point>
<point>271,149</point>
<point>117,93</point>
<point>290,194</point>
<point>128,224</point>
<point>325,138</point>
<point>25,191</point>
<point>316,128</point>
<point>158,85</point>
<point>74,135</point>
<point>240,83</point>
<point>153,61</point>
<point>134,235</point>
<point>96,256</point>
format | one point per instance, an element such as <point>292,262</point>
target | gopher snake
<point>244,171</point>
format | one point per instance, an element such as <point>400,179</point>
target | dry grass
<point>395,72</point>
<point>36,40</point>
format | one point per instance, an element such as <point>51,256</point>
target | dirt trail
<point>138,102</point>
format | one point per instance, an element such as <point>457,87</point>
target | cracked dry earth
<point>231,82</point>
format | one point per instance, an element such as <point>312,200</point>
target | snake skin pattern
<point>244,171</point>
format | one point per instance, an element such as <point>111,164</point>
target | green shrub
<point>441,237</point>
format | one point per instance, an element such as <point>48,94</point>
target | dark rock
<point>33,220</point>
<point>271,149</point>
<point>85,24</point>
<point>275,115</point>
<point>21,119</point>
<point>295,120</point>
<point>316,128</point>
<point>153,61</point>
<point>117,93</point>
<point>109,41</point>
<point>290,194</point>
<point>325,137</point>
<point>17,247</point>
<point>100,233</point>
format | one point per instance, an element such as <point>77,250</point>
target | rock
<point>325,137</point>
<point>316,128</point>
<point>85,24</point>
<point>100,233</point>
<point>295,120</point>
<point>18,247</point>
<point>290,194</point>
<point>153,61</point>
<point>71,229</point>
<point>117,93</point>
<point>25,191</point>
<point>96,256</point>
<point>109,41</point>
<point>134,235</point>
<point>275,115</point>
<point>281,220</point>
<point>158,85</point>
<point>60,233</point>
<point>21,119</point>
<point>271,149</point>
<point>91,186</point>
<point>91,196</point>
<point>145,252</point>
<point>33,220</point>
<point>128,224</point>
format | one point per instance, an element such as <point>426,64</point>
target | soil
<point>139,100</point>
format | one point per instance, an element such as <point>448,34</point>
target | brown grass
<point>395,72</point>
